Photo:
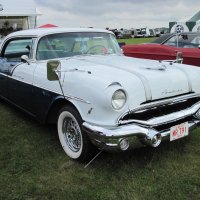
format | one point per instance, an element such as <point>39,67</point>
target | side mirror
<point>199,46</point>
<point>52,70</point>
<point>25,59</point>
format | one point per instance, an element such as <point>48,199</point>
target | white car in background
<point>79,79</point>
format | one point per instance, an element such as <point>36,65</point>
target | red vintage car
<point>167,46</point>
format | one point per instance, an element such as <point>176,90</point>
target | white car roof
<point>45,31</point>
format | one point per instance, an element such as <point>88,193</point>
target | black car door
<point>4,68</point>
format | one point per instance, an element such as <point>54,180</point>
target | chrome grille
<point>146,112</point>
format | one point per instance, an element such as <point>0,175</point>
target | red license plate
<point>179,131</point>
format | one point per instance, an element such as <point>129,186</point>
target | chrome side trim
<point>66,96</point>
<point>6,75</point>
<point>78,99</point>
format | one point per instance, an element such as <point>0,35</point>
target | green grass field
<point>136,40</point>
<point>33,166</point>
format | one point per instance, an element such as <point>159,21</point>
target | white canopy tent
<point>191,24</point>
<point>17,15</point>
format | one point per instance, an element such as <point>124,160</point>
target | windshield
<point>62,45</point>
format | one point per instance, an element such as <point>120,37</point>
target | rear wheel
<point>73,139</point>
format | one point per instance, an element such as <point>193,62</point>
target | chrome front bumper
<point>127,136</point>
<point>133,133</point>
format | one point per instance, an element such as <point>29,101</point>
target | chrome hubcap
<point>72,134</point>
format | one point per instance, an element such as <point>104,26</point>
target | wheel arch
<point>55,107</point>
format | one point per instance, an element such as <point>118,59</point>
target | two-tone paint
<point>89,81</point>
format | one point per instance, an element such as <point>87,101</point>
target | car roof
<point>44,31</point>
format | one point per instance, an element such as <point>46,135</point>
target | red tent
<point>48,26</point>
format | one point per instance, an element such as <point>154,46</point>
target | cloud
<point>115,13</point>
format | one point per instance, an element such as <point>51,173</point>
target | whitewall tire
<point>72,138</point>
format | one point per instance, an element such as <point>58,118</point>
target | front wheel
<point>73,139</point>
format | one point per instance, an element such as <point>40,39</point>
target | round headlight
<point>118,99</point>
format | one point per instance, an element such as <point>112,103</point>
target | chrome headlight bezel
<point>119,99</point>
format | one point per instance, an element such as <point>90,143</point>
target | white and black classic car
<point>79,79</point>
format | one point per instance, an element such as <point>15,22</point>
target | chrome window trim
<point>19,37</point>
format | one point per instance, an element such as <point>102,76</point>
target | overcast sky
<point>115,13</point>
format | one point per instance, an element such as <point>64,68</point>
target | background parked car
<point>139,33</point>
<point>124,33</point>
<point>146,32</point>
<point>167,46</point>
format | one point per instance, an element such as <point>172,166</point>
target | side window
<point>172,41</point>
<point>196,40</point>
<point>12,52</point>
<point>184,41</point>
<point>16,48</point>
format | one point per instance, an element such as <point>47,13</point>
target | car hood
<point>150,79</point>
